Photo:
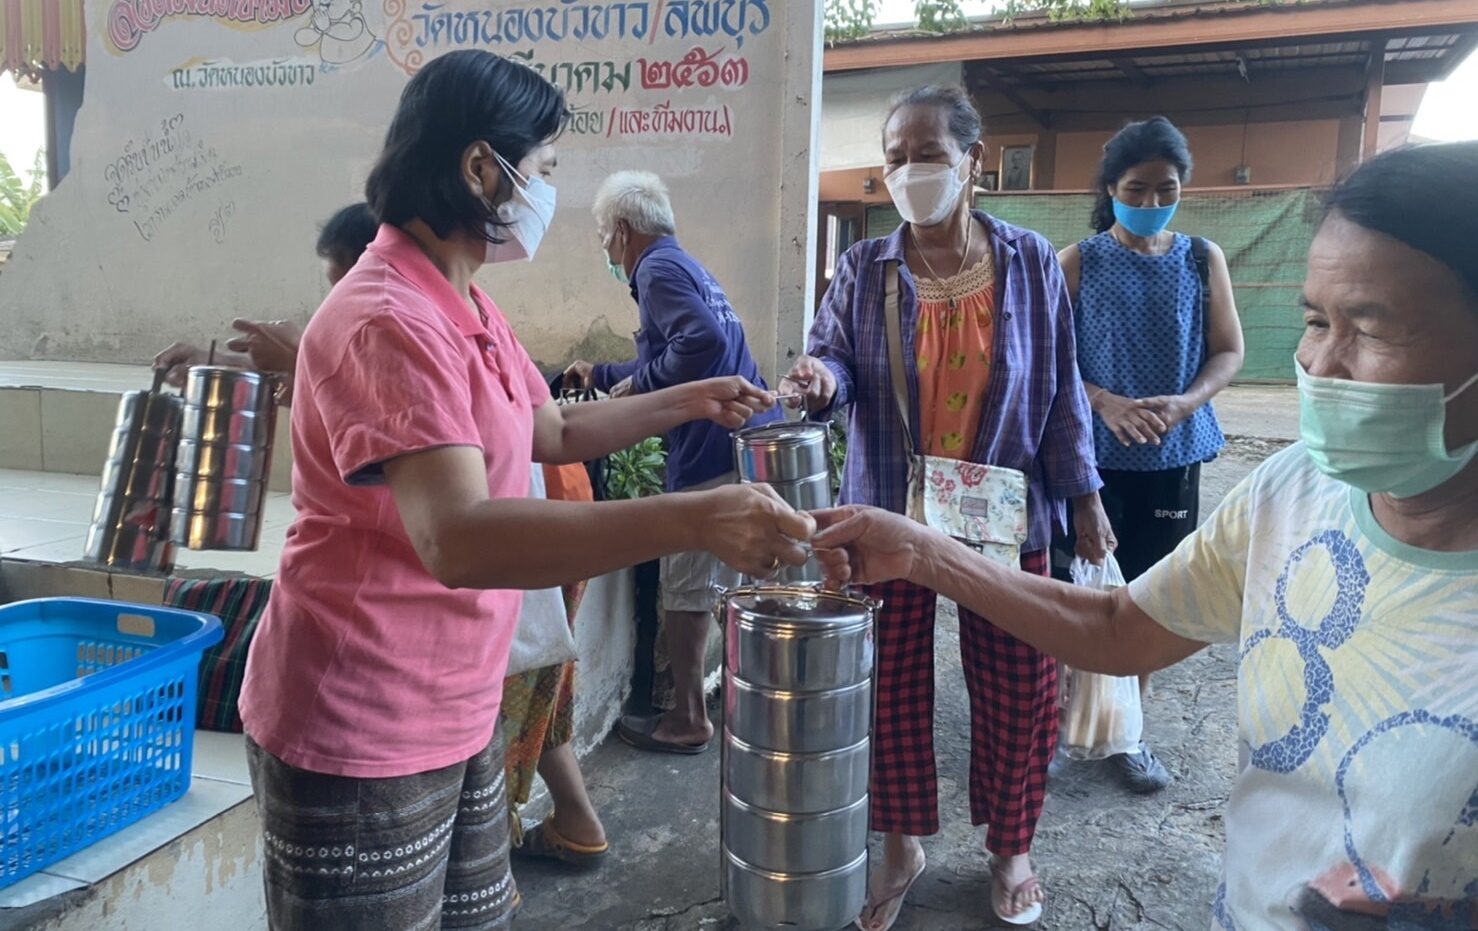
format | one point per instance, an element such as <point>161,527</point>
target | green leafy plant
<point>17,195</point>
<point>849,19</point>
<point>637,472</point>
<point>940,15</point>
<point>838,449</point>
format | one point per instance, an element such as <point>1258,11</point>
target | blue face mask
<point>1143,222</point>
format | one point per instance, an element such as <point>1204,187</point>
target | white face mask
<point>527,215</point>
<point>926,192</point>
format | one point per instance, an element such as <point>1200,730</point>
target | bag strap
<point>893,323</point>
<point>1201,253</point>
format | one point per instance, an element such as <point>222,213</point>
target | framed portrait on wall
<point>990,180</point>
<point>1016,167</point>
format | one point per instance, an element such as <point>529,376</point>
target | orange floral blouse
<point>954,357</point>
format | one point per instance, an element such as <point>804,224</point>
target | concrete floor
<point>1108,860</point>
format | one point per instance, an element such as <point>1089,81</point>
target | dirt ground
<point>1108,859</point>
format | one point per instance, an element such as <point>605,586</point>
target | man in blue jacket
<point>689,331</point>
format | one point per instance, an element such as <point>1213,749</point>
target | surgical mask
<point>526,217</point>
<point>618,271</point>
<point>1381,439</point>
<point>925,193</point>
<point>1143,222</point>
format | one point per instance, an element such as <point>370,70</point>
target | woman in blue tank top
<point>1158,337</point>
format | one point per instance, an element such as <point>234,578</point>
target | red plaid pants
<point>1013,720</point>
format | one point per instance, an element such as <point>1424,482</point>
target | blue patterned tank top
<point>1141,333</point>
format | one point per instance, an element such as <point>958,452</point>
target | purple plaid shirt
<point>1036,416</point>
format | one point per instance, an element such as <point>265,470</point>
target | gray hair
<point>639,198</point>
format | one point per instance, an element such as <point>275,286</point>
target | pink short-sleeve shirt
<point>364,665</point>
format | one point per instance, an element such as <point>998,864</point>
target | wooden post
<point>1375,80</point>
<point>1044,173</point>
<point>1347,148</point>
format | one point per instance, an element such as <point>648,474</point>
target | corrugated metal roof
<point>1137,12</point>
<point>1253,58</point>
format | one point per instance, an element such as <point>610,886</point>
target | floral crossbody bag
<point>982,506</point>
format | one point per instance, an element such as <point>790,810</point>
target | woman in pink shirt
<point>373,685</point>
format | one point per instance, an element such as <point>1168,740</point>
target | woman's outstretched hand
<point>729,402</point>
<point>862,545</point>
<point>751,528</point>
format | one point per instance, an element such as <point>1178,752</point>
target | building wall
<point>208,151</point>
<point>1295,127</point>
<point>846,185</point>
<point>1294,152</point>
<point>1303,152</point>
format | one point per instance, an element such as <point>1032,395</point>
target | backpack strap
<point>1201,254</point>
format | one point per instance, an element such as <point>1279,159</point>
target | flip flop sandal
<point>895,897</point>
<point>638,733</point>
<point>999,894</point>
<point>543,842</point>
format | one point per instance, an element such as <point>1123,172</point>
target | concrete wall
<point>605,639</point>
<point>208,150</point>
<point>197,881</point>
<point>858,101</point>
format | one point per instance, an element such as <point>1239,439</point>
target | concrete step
<point>59,417</point>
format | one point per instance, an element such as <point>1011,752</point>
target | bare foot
<point>1015,891</point>
<point>903,864</point>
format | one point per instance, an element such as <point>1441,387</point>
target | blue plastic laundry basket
<point>97,721</point>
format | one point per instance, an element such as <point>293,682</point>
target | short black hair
<point>959,110</point>
<point>347,233</point>
<point>1145,141</point>
<point>1425,196</point>
<point>457,99</point>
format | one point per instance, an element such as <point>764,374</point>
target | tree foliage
<point>852,19</point>
<point>17,195</point>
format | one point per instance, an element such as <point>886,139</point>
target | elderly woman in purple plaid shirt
<point>992,378</point>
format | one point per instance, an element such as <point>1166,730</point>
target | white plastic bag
<point>543,636</point>
<point>1101,715</point>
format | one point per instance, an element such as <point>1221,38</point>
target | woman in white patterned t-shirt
<point>1345,568</point>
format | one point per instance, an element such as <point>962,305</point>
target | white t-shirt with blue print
<point>1356,802</point>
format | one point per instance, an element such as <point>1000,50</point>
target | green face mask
<point>1381,439</point>
<point>618,271</point>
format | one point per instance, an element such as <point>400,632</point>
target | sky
<point>1447,112</point>
<point>22,124</point>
